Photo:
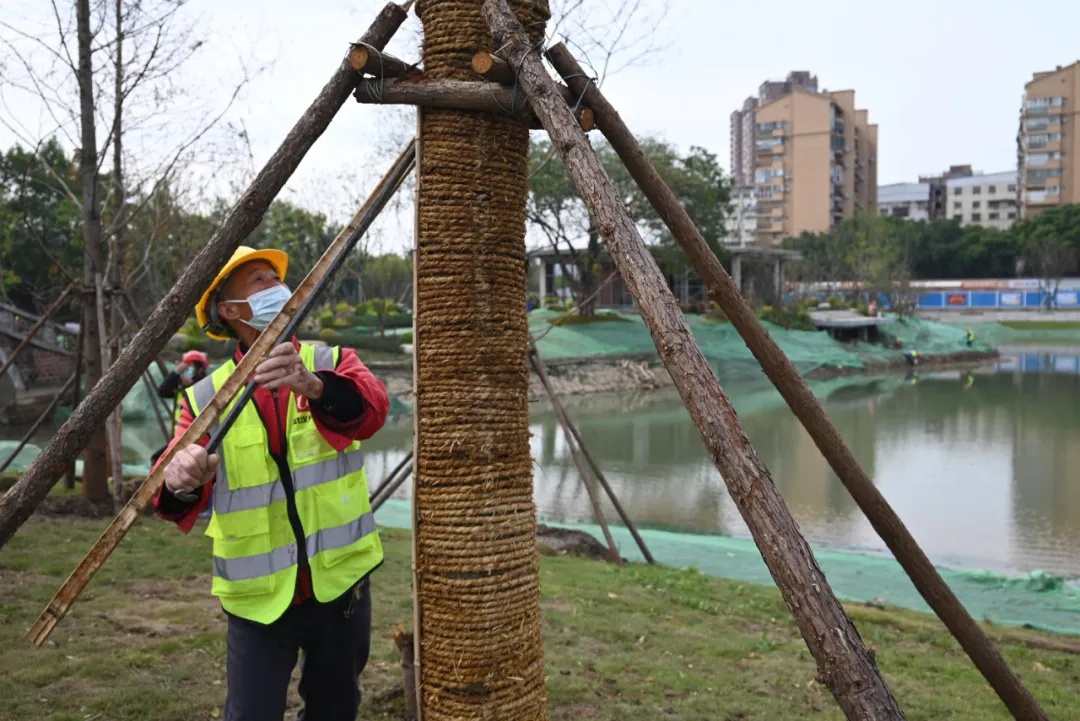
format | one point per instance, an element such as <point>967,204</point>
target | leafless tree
<point>106,77</point>
<point>1049,258</point>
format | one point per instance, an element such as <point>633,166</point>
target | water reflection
<point>977,464</point>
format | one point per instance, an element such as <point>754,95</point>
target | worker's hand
<point>190,468</point>
<point>283,368</point>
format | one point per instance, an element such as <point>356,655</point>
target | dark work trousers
<point>334,637</point>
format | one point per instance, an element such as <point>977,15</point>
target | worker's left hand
<point>283,368</point>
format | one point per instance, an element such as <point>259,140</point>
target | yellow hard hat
<point>205,311</point>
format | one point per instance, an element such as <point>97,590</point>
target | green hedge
<point>356,341</point>
<point>400,320</point>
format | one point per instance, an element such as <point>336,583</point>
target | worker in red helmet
<point>192,368</point>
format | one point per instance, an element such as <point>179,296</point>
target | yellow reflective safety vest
<point>256,550</point>
<point>178,408</point>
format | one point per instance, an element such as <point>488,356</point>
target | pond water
<point>982,466</point>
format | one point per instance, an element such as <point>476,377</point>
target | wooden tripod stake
<point>845,665</point>
<point>800,399</point>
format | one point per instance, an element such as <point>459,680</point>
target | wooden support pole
<point>129,316</point>
<point>69,476</point>
<point>845,665</point>
<point>801,400</point>
<point>24,496</point>
<point>493,68</point>
<point>135,317</point>
<point>52,310</point>
<point>556,403</point>
<point>112,422</point>
<point>389,489</point>
<point>366,60</point>
<point>45,415</point>
<point>151,391</point>
<point>460,95</point>
<point>575,453</point>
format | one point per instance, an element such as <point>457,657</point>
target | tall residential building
<point>1048,141</point>
<point>744,122</point>
<point>742,144</point>
<point>987,199</point>
<point>815,163</point>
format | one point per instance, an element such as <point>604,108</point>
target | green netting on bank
<point>1041,330</point>
<point>1037,600</point>
<point>721,342</point>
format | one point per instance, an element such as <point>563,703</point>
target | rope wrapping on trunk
<point>477,583</point>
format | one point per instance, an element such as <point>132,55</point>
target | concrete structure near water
<point>1048,140</point>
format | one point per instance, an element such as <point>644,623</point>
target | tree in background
<point>1050,247</point>
<point>557,212</point>
<point>104,78</point>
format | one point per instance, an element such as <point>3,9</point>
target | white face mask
<point>265,305</point>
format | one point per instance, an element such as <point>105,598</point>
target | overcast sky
<point>941,78</point>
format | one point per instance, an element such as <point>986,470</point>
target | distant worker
<point>192,368</point>
<point>872,309</point>
<point>294,537</point>
<point>970,337</point>
<point>912,357</point>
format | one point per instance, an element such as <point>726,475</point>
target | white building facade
<point>986,199</point>
<point>740,226</point>
<point>910,201</point>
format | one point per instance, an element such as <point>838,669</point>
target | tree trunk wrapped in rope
<point>477,584</point>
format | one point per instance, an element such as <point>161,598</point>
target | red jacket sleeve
<point>184,518</point>
<point>340,434</point>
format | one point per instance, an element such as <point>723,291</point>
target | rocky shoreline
<point>583,376</point>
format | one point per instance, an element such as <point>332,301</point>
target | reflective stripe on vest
<point>245,499</point>
<point>242,569</point>
<point>255,553</point>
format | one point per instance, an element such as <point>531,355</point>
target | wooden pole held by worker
<point>267,340</point>
<point>800,399</point>
<point>845,665</point>
<point>27,493</point>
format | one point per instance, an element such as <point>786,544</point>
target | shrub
<point>328,336</point>
<point>791,317</point>
<point>327,320</point>
<point>405,337</point>
<point>576,319</point>
<point>716,314</point>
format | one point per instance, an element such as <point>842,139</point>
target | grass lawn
<point>1042,324</point>
<point>146,641</point>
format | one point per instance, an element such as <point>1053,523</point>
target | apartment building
<point>815,163</point>
<point>740,225</point>
<point>1048,141</point>
<point>987,199</point>
<point>905,200</point>
<point>744,122</point>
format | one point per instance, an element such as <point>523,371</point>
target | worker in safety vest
<point>294,539</point>
<point>970,337</point>
<point>192,368</point>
